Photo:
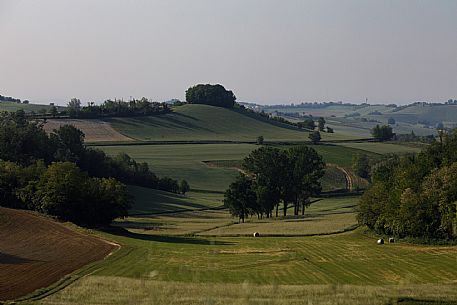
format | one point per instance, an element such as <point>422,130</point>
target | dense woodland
<point>414,196</point>
<point>57,175</point>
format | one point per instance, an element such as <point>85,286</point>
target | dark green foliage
<point>321,124</point>
<point>290,177</point>
<point>168,184</point>
<point>315,137</point>
<point>214,95</point>
<point>9,99</point>
<point>414,196</point>
<point>330,130</point>
<point>184,187</point>
<point>307,124</point>
<point>259,140</point>
<point>240,197</point>
<point>382,133</point>
<point>361,165</point>
<point>116,108</point>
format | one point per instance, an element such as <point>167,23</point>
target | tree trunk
<point>285,209</point>
<point>277,207</point>
<point>303,208</point>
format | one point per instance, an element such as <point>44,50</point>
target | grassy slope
<point>382,148</point>
<point>11,106</point>
<point>202,122</point>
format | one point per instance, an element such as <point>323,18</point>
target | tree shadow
<point>13,259</point>
<point>165,239</point>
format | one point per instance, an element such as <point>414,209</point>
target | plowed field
<point>36,251</point>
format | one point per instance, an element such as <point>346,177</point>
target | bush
<point>214,95</point>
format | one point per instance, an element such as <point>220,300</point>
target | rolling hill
<point>208,123</point>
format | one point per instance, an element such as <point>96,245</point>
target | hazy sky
<point>265,51</point>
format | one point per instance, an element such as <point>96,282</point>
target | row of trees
<point>30,153</point>
<point>273,176</point>
<point>414,196</point>
<point>383,133</point>
<point>116,108</point>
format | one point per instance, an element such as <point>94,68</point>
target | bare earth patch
<point>95,130</point>
<point>36,251</point>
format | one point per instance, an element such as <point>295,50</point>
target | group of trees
<point>58,169</point>
<point>273,176</point>
<point>9,99</point>
<point>382,133</point>
<point>214,95</point>
<point>414,196</point>
<point>116,108</point>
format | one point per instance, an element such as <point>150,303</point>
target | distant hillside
<point>12,106</point>
<point>203,122</point>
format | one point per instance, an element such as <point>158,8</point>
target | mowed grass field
<point>382,148</point>
<point>208,123</point>
<point>156,266</point>
<point>11,107</point>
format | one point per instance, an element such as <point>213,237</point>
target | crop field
<point>36,252</point>
<point>207,123</point>
<point>382,148</point>
<point>94,130</point>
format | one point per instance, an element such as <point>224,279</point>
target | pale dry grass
<point>94,130</point>
<point>95,290</point>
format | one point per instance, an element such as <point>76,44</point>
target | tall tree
<point>240,198</point>
<point>321,124</point>
<point>215,95</point>
<point>315,137</point>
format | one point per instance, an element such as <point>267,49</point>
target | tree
<point>321,124</point>
<point>330,130</point>
<point>184,187</point>
<point>361,165</point>
<point>269,167</point>
<point>53,111</point>
<point>308,124</point>
<point>74,107</point>
<point>240,197</point>
<point>382,133</point>
<point>315,137</point>
<point>259,140</point>
<point>215,95</point>
<point>391,121</point>
<point>70,143</point>
<point>306,168</point>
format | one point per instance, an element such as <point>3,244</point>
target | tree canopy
<point>214,95</point>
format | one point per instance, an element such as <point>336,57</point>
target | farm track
<point>36,251</point>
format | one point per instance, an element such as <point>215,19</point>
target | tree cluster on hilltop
<point>414,196</point>
<point>57,174</point>
<point>116,108</point>
<point>275,176</point>
<point>214,95</point>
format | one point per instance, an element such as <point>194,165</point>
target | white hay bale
<point>391,240</point>
<point>380,241</point>
<point>256,234</point>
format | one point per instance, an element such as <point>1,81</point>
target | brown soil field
<point>36,251</point>
<point>95,130</point>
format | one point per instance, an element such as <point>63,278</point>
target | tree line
<point>273,176</point>
<point>57,174</point>
<point>414,196</point>
<point>116,108</point>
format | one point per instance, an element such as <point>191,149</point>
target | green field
<point>208,123</point>
<point>382,148</point>
<point>11,107</point>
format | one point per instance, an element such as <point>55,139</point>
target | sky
<point>266,51</point>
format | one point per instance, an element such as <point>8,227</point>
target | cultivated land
<point>11,106</point>
<point>36,251</point>
<point>178,249</point>
<point>94,130</point>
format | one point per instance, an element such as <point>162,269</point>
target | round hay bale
<point>391,240</point>
<point>380,241</point>
<point>256,234</point>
